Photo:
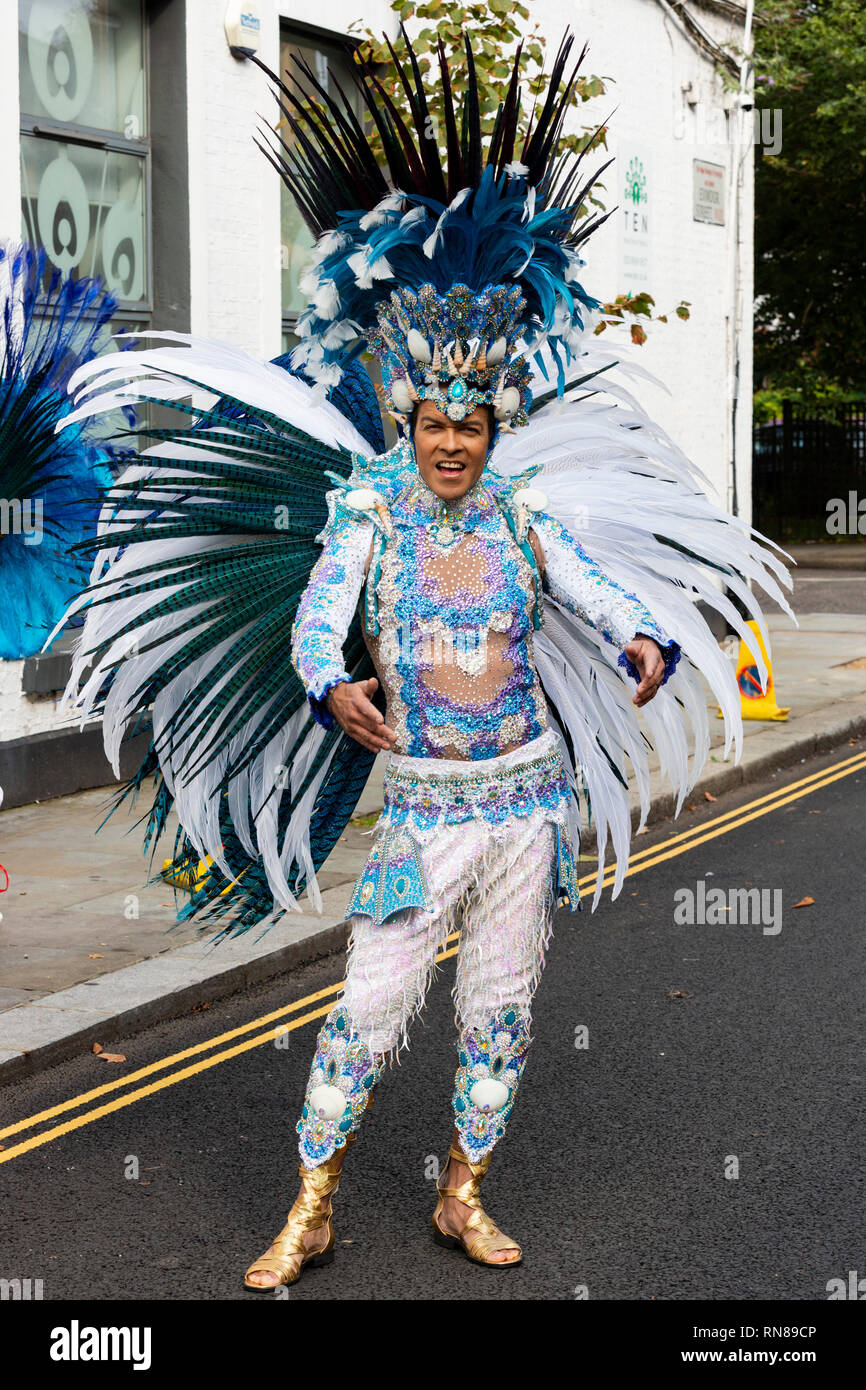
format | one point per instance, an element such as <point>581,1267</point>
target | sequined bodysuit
<point>454,649</point>
<point>449,615</point>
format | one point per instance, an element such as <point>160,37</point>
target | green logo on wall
<point>635,183</point>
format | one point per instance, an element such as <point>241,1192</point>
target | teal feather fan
<point>208,542</point>
<point>249,899</point>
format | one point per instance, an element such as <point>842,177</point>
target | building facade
<point>127,149</point>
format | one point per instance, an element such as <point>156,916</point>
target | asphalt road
<point>827,591</point>
<point>712,1050</point>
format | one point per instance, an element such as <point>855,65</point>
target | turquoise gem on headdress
<point>457,389</point>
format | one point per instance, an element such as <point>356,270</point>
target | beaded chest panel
<point>454,648</point>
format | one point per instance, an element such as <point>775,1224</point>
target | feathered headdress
<point>453,272</point>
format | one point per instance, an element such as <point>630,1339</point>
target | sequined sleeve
<point>326,610</point>
<point>581,586</point>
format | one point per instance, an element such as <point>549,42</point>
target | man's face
<point>450,453</point>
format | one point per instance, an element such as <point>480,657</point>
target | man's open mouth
<point>448,467</point>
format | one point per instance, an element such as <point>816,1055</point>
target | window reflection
<point>86,206</point>
<point>84,151</point>
<point>83,61</point>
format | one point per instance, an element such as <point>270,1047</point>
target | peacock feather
<point>49,484</point>
<point>204,550</point>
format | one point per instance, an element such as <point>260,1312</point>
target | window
<point>85,155</point>
<point>328,61</point>
<point>85,152</point>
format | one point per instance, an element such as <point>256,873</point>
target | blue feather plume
<point>50,484</point>
<point>482,218</point>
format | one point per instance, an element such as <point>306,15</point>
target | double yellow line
<point>309,1008</point>
<point>731,820</point>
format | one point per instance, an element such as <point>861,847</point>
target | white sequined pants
<point>496,884</point>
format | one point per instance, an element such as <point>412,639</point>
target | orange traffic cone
<point>756,703</point>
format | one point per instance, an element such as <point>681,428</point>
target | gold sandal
<point>480,1236</point>
<point>290,1255</point>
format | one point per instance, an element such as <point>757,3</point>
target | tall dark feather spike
<point>548,151</point>
<point>353,136</point>
<point>350,174</point>
<point>426,139</point>
<point>533,151</point>
<point>412,158</point>
<point>456,173</point>
<point>326,175</point>
<point>472,116</point>
<point>505,134</point>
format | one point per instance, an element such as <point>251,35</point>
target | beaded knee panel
<point>491,1061</point>
<point>343,1073</point>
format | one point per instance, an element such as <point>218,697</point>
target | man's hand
<point>646,654</point>
<point>351,705</point>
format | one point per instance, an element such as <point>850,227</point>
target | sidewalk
<point>86,954</point>
<point>830,555</point>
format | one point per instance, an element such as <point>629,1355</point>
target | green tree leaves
<point>810,230</point>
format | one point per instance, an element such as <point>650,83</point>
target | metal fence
<point>803,461</point>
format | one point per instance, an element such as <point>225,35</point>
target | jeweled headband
<point>456,350</point>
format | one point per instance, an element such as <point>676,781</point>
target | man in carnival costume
<point>446,612</point>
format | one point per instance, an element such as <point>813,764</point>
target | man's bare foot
<point>454,1214</point>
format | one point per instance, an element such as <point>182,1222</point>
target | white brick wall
<point>21,715</point>
<point>636,44</point>
<point>235,214</point>
<point>235,192</point>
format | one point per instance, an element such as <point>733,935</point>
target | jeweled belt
<point>422,799</point>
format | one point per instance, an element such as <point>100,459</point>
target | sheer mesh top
<point>454,649</point>
<point>452,594</point>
